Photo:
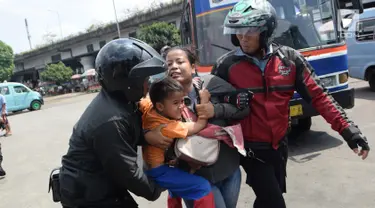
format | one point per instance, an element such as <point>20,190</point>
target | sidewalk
<point>64,96</point>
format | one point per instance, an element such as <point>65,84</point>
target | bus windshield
<point>302,24</point>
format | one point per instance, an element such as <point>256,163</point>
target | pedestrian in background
<point>4,113</point>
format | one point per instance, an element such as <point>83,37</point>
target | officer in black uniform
<point>2,171</point>
<point>100,168</point>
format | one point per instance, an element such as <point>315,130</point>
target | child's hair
<point>160,90</point>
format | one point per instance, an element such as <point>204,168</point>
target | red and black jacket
<point>285,72</point>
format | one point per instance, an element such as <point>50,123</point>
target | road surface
<point>322,171</point>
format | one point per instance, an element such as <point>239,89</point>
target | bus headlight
<point>343,77</point>
<point>329,81</point>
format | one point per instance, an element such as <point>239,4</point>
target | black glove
<point>241,98</point>
<point>354,137</point>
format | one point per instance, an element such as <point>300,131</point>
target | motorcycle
<point>41,91</point>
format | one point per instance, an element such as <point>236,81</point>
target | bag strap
<point>187,114</point>
<point>197,85</point>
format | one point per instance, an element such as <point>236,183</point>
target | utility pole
<point>58,18</point>
<point>28,33</point>
<point>118,26</point>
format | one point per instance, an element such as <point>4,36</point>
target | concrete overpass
<point>79,52</point>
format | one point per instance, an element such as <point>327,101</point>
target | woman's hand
<point>173,162</point>
<point>204,96</point>
<point>205,111</point>
<point>194,167</point>
<point>156,138</point>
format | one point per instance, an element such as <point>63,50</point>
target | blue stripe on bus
<point>330,64</point>
<point>202,6</point>
<point>331,90</point>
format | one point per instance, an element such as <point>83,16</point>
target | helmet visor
<point>157,77</point>
<point>242,30</point>
<point>148,68</point>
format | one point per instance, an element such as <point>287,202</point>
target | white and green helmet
<point>248,16</point>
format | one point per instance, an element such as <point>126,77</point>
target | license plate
<point>296,110</point>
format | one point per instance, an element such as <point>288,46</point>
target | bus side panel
<point>330,64</point>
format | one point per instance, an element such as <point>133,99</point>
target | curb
<point>60,97</point>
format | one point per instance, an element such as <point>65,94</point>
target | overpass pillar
<point>87,62</point>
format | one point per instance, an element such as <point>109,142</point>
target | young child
<point>164,107</point>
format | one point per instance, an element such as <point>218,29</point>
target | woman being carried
<point>224,176</point>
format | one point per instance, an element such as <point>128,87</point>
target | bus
<point>302,25</point>
<point>361,47</point>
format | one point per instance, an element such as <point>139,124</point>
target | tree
<point>95,26</point>
<point>58,73</point>
<point>6,61</point>
<point>159,34</point>
<point>49,37</point>
<point>130,12</point>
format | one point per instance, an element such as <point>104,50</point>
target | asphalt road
<point>322,171</point>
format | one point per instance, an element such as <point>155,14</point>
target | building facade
<point>79,52</point>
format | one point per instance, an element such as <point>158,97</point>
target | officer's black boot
<point>2,172</point>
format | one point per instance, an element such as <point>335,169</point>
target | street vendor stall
<point>89,73</point>
<point>77,83</point>
<point>76,77</point>
<point>90,80</point>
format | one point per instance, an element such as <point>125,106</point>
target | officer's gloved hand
<point>241,99</point>
<point>354,137</point>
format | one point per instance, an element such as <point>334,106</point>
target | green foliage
<point>49,37</point>
<point>159,34</point>
<point>6,61</point>
<point>58,73</point>
<point>95,26</point>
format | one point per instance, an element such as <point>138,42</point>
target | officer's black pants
<point>1,155</point>
<point>267,178</point>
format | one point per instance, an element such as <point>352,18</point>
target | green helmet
<point>249,16</point>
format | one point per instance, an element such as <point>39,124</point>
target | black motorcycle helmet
<point>124,64</point>
<point>164,50</point>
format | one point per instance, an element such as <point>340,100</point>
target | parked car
<point>19,97</point>
<point>361,47</point>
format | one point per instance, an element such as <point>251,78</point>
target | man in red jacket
<point>273,73</point>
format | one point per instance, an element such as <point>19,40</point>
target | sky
<point>42,17</point>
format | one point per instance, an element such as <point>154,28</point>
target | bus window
<point>210,35</point>
<point>365,30</point>
<point>185,26</point>
<point>302,24</point>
